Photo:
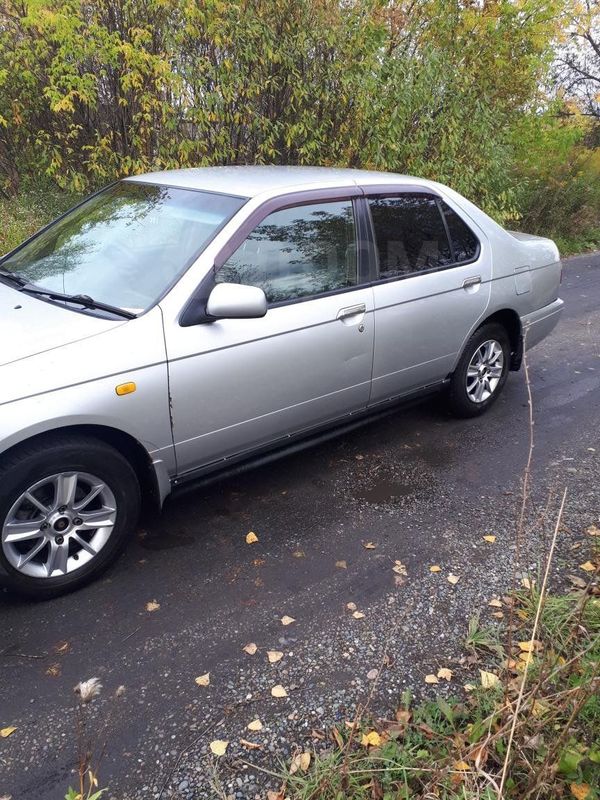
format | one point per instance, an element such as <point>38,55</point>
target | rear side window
<point>464,242</point>
<point>410,235</point>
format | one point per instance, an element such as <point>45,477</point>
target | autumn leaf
<point>453,579</point>
<point>526,583</point>
<point>369,545</point>
<point>6,732</point>
<point>251,538</point>
<point>285,620</point>
<point>53,671</point>
<point>461,766</point>
<point>300,762</point>
<point>274,656</point>
<point>299,554</point>
<point>372,674</point>
<point>488,679</point>
<point>203,680</point>
<point>431,678</point>
<point>588,566</point>
<point>255,725</point>
<point>341,565</point>
<point>250,745</point>
<point>435,568</point>
<point>279,691</point>
<point>530,646</point>
<point>469,687</point>
<point>498,614</point>
<point>250,648</point>
<point>358,615</point>
<point>490,539</point>
<point>593,530</point>
<point>218,747</point>
<point>371,739</point>
<point>445,673</point>
<point>580,790</point>
<point>351,606</point>
<point>399,568</point>
<point>495,603</point>
<point>152,605</point>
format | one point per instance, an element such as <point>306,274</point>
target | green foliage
<point>93,90</point>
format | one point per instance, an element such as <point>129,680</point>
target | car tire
<point>50,485</point>
<point>481,373</point>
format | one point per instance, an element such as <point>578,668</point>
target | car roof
<point>250,181</point>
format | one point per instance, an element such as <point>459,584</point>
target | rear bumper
<point>537,325</point>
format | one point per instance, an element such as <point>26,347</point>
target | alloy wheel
<point>59,524</point>
<point>485,371</point>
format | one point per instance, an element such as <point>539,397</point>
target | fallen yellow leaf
<point>453,579</point>
<point>6,732</point>
<point>435,568</point>
<point>593,530</point>
<point>530,646</point>
<point>358,615</point>
<point>152,606</point>
<point>299,554</point>
<point>488,679</point>
<point>203,680</point>
<point>399,568</point>
<point>285,620</point>
<point>461,766</point>
<point>371,739</point>
<point>445,673</point>
<point>274,656</point>
<point>469,687</point>
<point>431,678</point>
<point>250,745</point>
<point>588,566</point>
<point>218,747</point>
<point>251,538</point>
<point>279,691</point>
<point>301,761</point>
<point>495,603</point>
<point>369,545</point>
<point>250,648</point>
<point>490,539</point>
<point>580,790</point>
<point>255,725</point>
<point>341,565</point>
<point>351,606</point>
<point>526,583</point>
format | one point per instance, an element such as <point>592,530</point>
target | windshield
<point>124,246</point>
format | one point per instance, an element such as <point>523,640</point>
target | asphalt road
<point>423,487</point>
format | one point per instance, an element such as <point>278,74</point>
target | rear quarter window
<point>465,245</point>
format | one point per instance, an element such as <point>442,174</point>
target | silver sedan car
<point>181,323</point>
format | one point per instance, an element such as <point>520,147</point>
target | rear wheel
<point>481,372</point>
<point>67,507</point>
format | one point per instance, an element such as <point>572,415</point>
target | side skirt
<point>296,443</point>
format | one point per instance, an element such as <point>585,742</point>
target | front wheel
<point>67,507</point>
<point>481,372</point>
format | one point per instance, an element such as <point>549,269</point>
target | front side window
<point>297,252</point>
<point>410,235</point>
<point>124,246</point>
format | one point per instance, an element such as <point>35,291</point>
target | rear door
<point>239,384</point>
<point>432,285</point>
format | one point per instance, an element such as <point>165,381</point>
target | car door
<point>239,384</point>
<point>432,285</point>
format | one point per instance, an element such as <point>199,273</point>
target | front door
<point>433,285</point>
<point>239,384</point>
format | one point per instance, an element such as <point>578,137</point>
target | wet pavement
<point>420,485</point>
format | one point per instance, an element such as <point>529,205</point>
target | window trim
<point>380,191</point>
<point>194,311</point>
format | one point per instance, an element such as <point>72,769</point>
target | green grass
<point>32,209</point>
<point>455,749</point>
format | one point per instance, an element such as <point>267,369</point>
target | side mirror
<point>235,301</point>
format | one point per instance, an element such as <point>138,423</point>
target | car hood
<point>29,326</point>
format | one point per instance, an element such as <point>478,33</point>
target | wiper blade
<point>81,299</point>
<point>12,277</point>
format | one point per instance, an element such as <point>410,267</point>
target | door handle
<point>473,281</point>
<point>351,311</point>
